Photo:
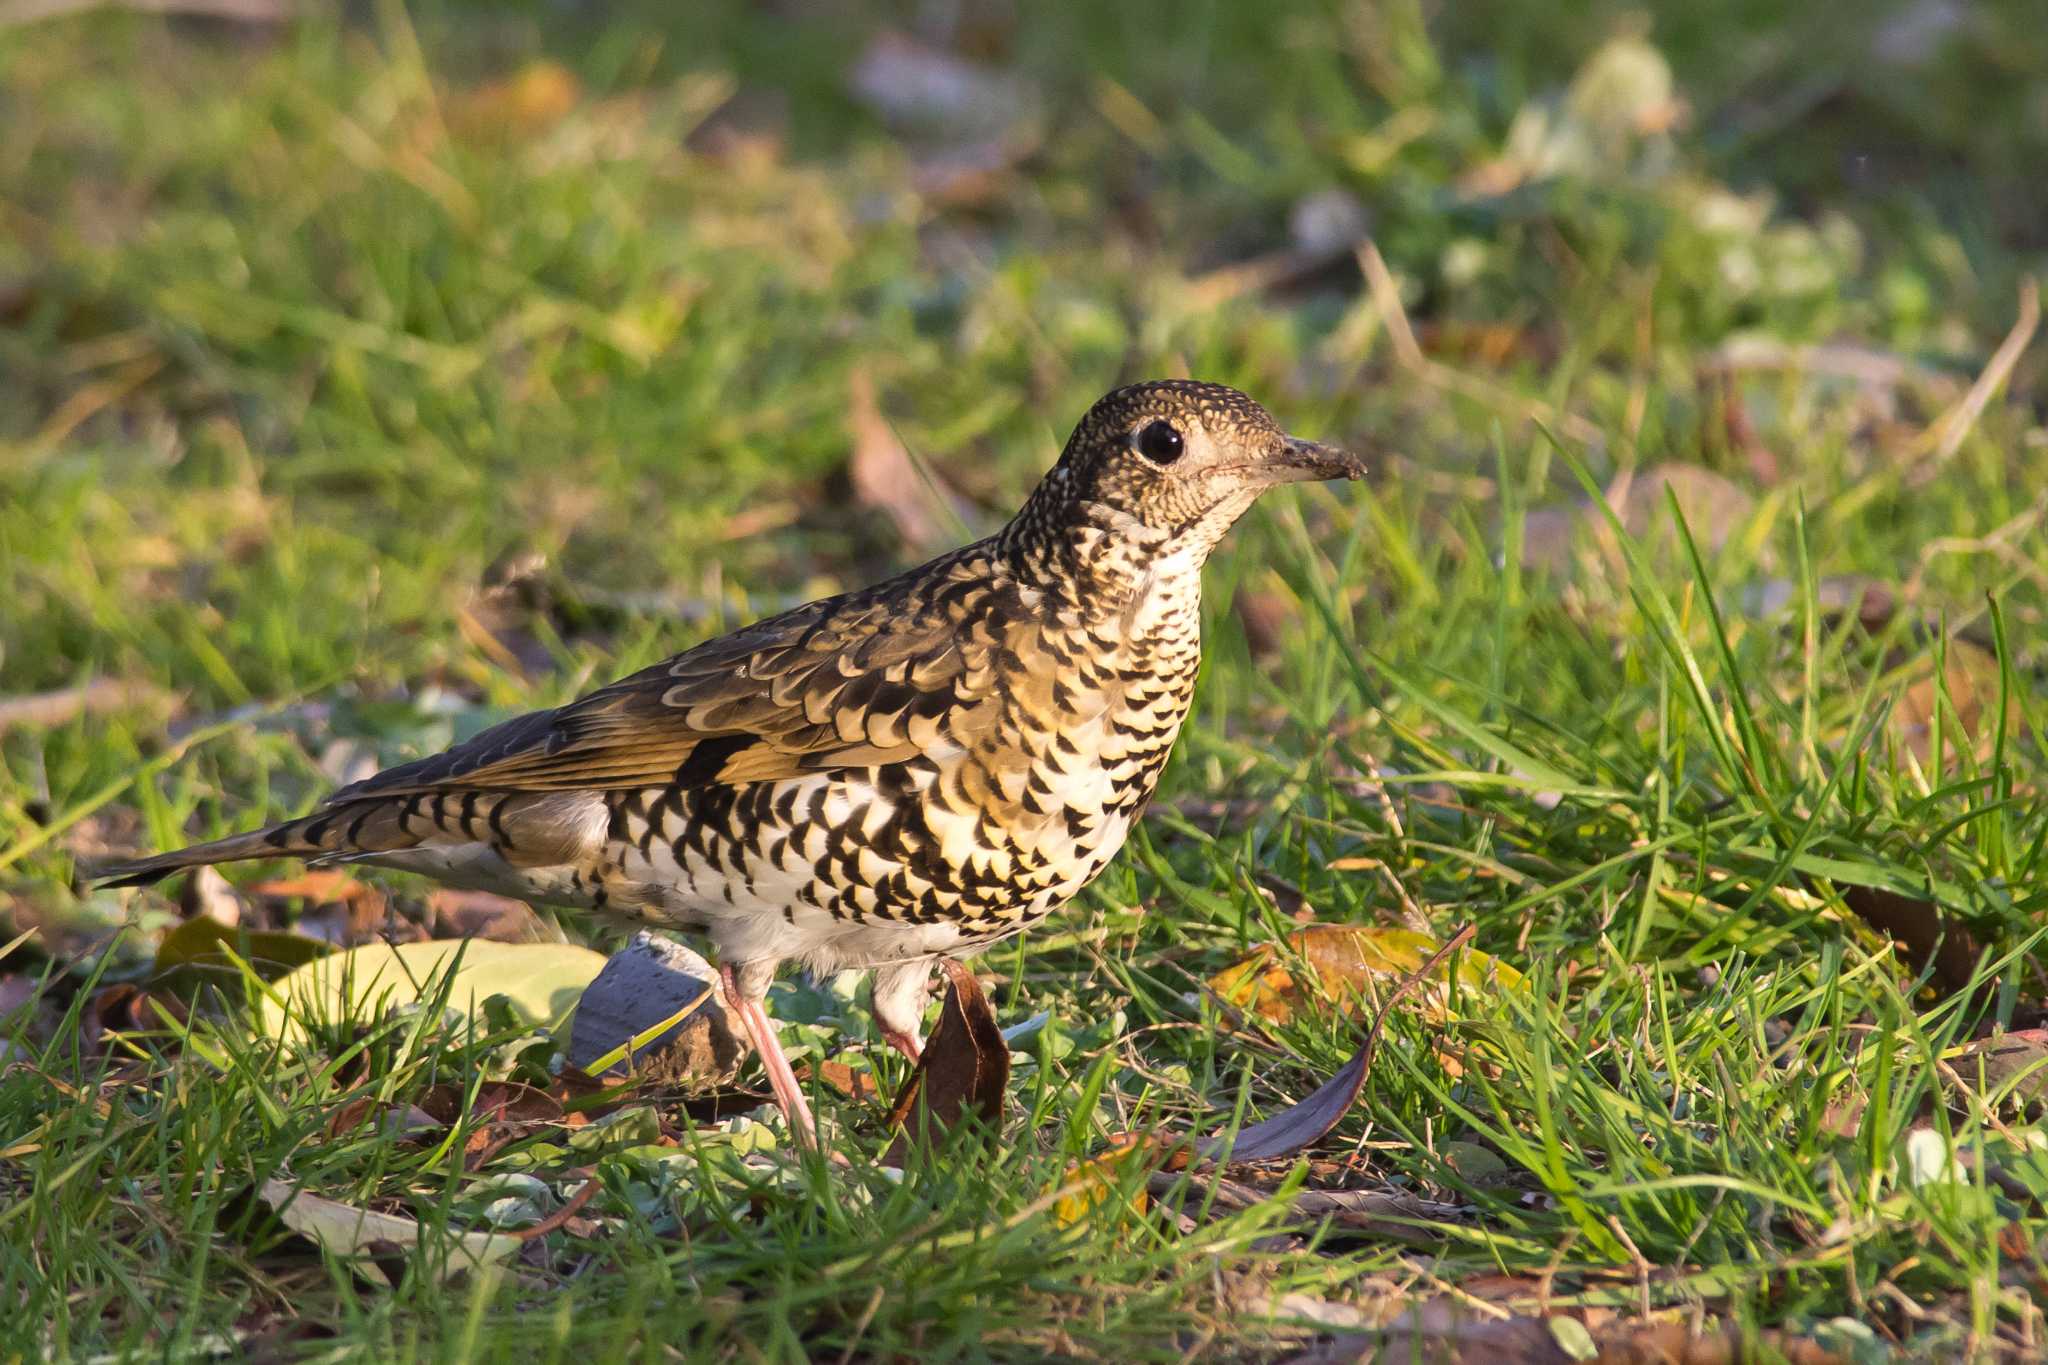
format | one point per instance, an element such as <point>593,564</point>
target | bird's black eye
<point>1159,442</point>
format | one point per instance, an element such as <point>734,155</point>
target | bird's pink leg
<point>789,1095</point>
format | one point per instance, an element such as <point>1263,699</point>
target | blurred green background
<point>286,304</point>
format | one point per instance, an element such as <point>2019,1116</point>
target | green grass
<point>298,348</point>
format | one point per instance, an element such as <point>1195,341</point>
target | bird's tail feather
<point>333,832</point>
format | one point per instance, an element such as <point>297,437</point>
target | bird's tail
<point>332,832</point>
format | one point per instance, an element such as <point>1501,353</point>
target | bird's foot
<point>789,1095</point>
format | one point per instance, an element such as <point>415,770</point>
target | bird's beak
<point>1300,461</point>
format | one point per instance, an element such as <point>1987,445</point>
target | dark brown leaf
<point>202,950</point>
<point>1919,927</point>
<point>964,1069</point>
<point>1293,1129</point>
<point>403,1121</point>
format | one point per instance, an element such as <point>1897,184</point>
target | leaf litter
<point>961,1077</point>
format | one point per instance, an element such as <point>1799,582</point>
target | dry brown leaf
<point>1919,927</point>
<point>1454,1336</point>
<point>1268,618</point>
<point>965,1066</point>
<point>483,914</point>
<point>1381,1213</point>
<point>402,1121</point>
<point>339,909</point>
<point>316,886</point>
<point>1284,1134</point>
<point>1094,1181</point>
<point>127,1008</point>
<point>1489,344</point>
<point>854,1085</point>
<point>886,478</point>
<point>41,710</point>
<point>1714,509</point>
<point>1970,676</point>
<point>1310,1120</point>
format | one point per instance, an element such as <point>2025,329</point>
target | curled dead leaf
<point>963,1070</point>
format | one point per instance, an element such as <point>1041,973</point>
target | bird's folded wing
<point>838,684</point>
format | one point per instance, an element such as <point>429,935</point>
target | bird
<point>875,780</point>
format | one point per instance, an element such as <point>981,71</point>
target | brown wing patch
<point>857,681</point>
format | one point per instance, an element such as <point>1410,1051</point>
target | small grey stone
<point>645,982</point>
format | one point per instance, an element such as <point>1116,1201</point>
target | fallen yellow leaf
<point>1092,1182</point>
<point>1340,959</point>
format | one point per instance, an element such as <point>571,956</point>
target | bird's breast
<point>1061,724</point>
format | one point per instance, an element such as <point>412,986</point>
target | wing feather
<point>856,681</point>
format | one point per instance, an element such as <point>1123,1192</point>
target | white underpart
<point>577,819</point>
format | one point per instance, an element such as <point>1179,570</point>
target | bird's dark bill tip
<point>1315,460</point>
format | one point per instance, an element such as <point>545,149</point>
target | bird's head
<point>1174,463</point>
